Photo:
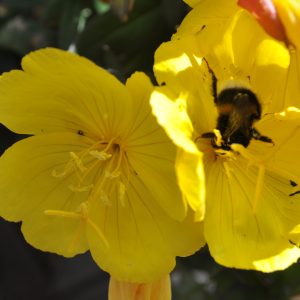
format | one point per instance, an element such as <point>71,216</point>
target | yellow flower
<point>252,204</point>
<point>158,290</point>
<point>97,172</point>
<point>289,13</point>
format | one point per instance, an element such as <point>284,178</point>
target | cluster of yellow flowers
<point>139,174</point>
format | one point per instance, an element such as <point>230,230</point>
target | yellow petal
<point>289,13</point>
<point>173,118</point>
<point>246,57</point>
<point>290,86</point>
<point>208,21</point>
<point>142,244</point>
<point>28,188</point>
<point>174,61</point>
<point>243,236</point>
<point>191,180</point>
<point>283,157</point>
<point>150,152</point>
<point>60,91</point>
<point>271,61</point>
<point>158,290</point>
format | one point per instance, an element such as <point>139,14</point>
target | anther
<point>80,188</point>
<point>101,155</point>
<point>78,162</point>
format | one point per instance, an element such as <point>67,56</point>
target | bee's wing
<point>235,122</point>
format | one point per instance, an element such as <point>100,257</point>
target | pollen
<point>102,170</point>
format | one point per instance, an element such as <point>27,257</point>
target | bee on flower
<point>223,91</point>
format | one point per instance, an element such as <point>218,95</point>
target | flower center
<point>103,171</point>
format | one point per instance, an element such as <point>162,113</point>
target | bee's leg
<point>294,184</point>
<point>213,83</point>
<point>208,135</point>
<point>257,136</point>
<point>215,138</point>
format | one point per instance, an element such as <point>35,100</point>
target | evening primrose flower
<point>97,172</point>
<point>252,201</point>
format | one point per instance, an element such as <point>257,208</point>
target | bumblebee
<point>238,109</point>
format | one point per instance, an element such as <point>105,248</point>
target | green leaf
<point>126,46</point>
<point>21,5</point>
<point>68,27</point>
<point>174,11</point>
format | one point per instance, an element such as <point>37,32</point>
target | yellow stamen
<point>80,188</point>
<point>112,175</point>
<point>78,162</point>
<point>98,232</point>
<point>101,155</point>
<point>82,216</point>
<point>227,169</point>
<point>122,190</point>
<point>116,170</point>
<point>76,237</point>
<point>261,171</point>
<point>63,214</point>
<point>258,188</point>
<point>104,198</point>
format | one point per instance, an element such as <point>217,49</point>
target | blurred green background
<point>121,36</point>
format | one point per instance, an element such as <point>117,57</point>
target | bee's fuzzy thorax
<point>233,83</point>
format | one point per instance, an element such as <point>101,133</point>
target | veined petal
<point>249,61</point>
<point>150,152</point>
<point>253,235</point>
<point>142,244</point>
<point>60,91</point>
<point>26,169</point>
<point>282,158</point>
<point>256,202</point>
